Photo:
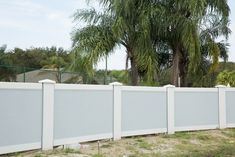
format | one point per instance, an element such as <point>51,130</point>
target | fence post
<point>117,109</point>
<point>48,113</point>
<point>222,106</point>
<point>170,89</point>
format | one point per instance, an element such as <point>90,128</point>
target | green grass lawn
<point>213,143</point>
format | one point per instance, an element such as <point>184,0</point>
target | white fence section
<point>20,117</point>
<point>196,109</point>
<point>82,113</point>
<point>144,110</point>
<point>43,115</point>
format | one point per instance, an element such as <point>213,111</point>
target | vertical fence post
<point>170,89</point>
<point>222,106</point>
<point>48,113</point>
<point>117,109</point>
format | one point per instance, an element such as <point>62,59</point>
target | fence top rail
<point>179,89</point>
<point>144,88</point>
<point>230,89</point>
<point>82,87</point>
<point>17,85</point>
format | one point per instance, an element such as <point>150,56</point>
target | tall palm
<point>180,27</point>
<point>122,23</point>
<point>211,50</point>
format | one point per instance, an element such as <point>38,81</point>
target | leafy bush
<point>226,78</point>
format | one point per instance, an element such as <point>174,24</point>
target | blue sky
<point>39,23</point>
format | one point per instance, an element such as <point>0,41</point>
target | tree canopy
<point>184,33</point>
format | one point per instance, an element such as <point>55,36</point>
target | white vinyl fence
<point>43,115</point>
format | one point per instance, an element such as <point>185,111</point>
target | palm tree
<point>81,65</point>
<point>180,26</point>
<point>121,23</point>
<point>211,50</point>
<point>56,64</point>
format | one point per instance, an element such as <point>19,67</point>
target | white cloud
<point>60,18</point>
<point>55,16</point>
<point>19,14</point>
<point>13,25</point>
<point>29,23</point>
<point>17,8</point>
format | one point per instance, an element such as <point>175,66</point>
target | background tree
<point>6,72</point>
<point>55,64</point>
<point>17,61</point>
<point>226,78</point>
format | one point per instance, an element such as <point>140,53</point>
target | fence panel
<point>196,109</point>
<point>230,107</point>
<point>20,117</point>
<point>143,110</point>
<point>82,113</point>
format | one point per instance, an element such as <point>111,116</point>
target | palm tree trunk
<point>183,64</point>
<point>57,75</point>
<point>134,68</point>
<point>175,66</point>
<point>179,68</point>
<point>134,72</point>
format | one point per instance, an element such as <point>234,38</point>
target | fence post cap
<point>116,84</point>
<point>169,86</point>
<point>47,81</point>
<point>220,86</point>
